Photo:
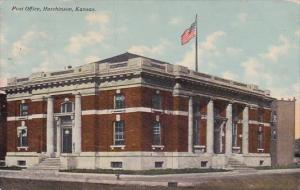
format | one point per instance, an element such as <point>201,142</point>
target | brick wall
<point>3,115</point>
<point>97,130</point>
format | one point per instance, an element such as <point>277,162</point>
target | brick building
<point>283,132</point>
<point>2,125</point>
<point>134,112</point>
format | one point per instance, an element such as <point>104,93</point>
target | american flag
<point>188,34</point>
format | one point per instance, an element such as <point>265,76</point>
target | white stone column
<point>50,126</point>
<point>210,127</point>
<point>76,134</point>
<point>228,135</point>
<point>245,142</point>
<point>190,125</point>
<point>58,138</point>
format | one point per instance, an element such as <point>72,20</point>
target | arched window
<point>66,107</point>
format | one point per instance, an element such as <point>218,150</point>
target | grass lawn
<point>11,168</point>
<point>146,172</point>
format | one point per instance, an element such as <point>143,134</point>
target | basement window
<point>21,163</point>
<point>158,164</point>
<point>116,164</point>
<point>261,162</point>
<point>204,164</point>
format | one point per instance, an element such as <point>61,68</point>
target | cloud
<point>255,72</point>
<point>3,79</point>
<point>297,33</point>
<point>210,41</point>
<point>2,39</point>
<point>175,21</point>
<point>79,41</point>
<point>294,1</point>
<point>230,75</point>
<point>242,17</point>
<point>22,47</point>
<point>91,59</point>
<point>275,51</point>
<point>206,49</point>
<point>150,50</point>
<point>233,51</point>
<point>50,61</point>
<point>82,40</point>
<point>98,18</point>
<point>153,17</point>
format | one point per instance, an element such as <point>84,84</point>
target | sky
<point>256,42</point>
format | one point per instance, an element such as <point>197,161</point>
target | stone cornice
<point>165,75</point>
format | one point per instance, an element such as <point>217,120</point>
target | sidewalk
<point>183,180</point>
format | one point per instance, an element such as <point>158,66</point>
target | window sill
<point>260,150</point>
<point>236,149</point>
<point>23,117</point>
<point>156,109</point>
<point>118,110</point>
<point>199,148</point>
<point>117,146</point>
<point>161,147</point>
<point>22,148</point>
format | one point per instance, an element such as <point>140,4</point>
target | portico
<point>64,127</point>
<point>222,122</point>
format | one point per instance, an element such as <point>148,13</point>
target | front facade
<point>133,112</point>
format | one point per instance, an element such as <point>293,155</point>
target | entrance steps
<point>47,165</point>
<point>237,165</point>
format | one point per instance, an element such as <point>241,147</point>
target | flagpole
<point>196,46</point>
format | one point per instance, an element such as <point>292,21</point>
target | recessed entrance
<point>67,140</point>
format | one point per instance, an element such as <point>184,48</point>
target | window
<point>23,109</point>
<point>274,134</point>
<point>156,101</point>
<point>66,107</point>
<point>116,164</point>
<point>156,134</point>
<point>21,163</point>
<point>119,101</point>
<point>260,144</point>
<point>22,136</point>
<point>196,132</point>
<point>66,121</point>
<point>158,164</point>
<point>204,164</point>
<point>119,133</point>
<point>234,135</point>
<point>260,116</point>
<point>217,112</point>
<point>261,162</point>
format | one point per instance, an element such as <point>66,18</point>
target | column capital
<point>77,94</point>
<point>211,98</point>
<point>49,97</point>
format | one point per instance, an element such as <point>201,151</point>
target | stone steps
<point>238,166</point>
<point>49,164</point>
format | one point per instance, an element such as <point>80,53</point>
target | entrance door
<point>67,140</point>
